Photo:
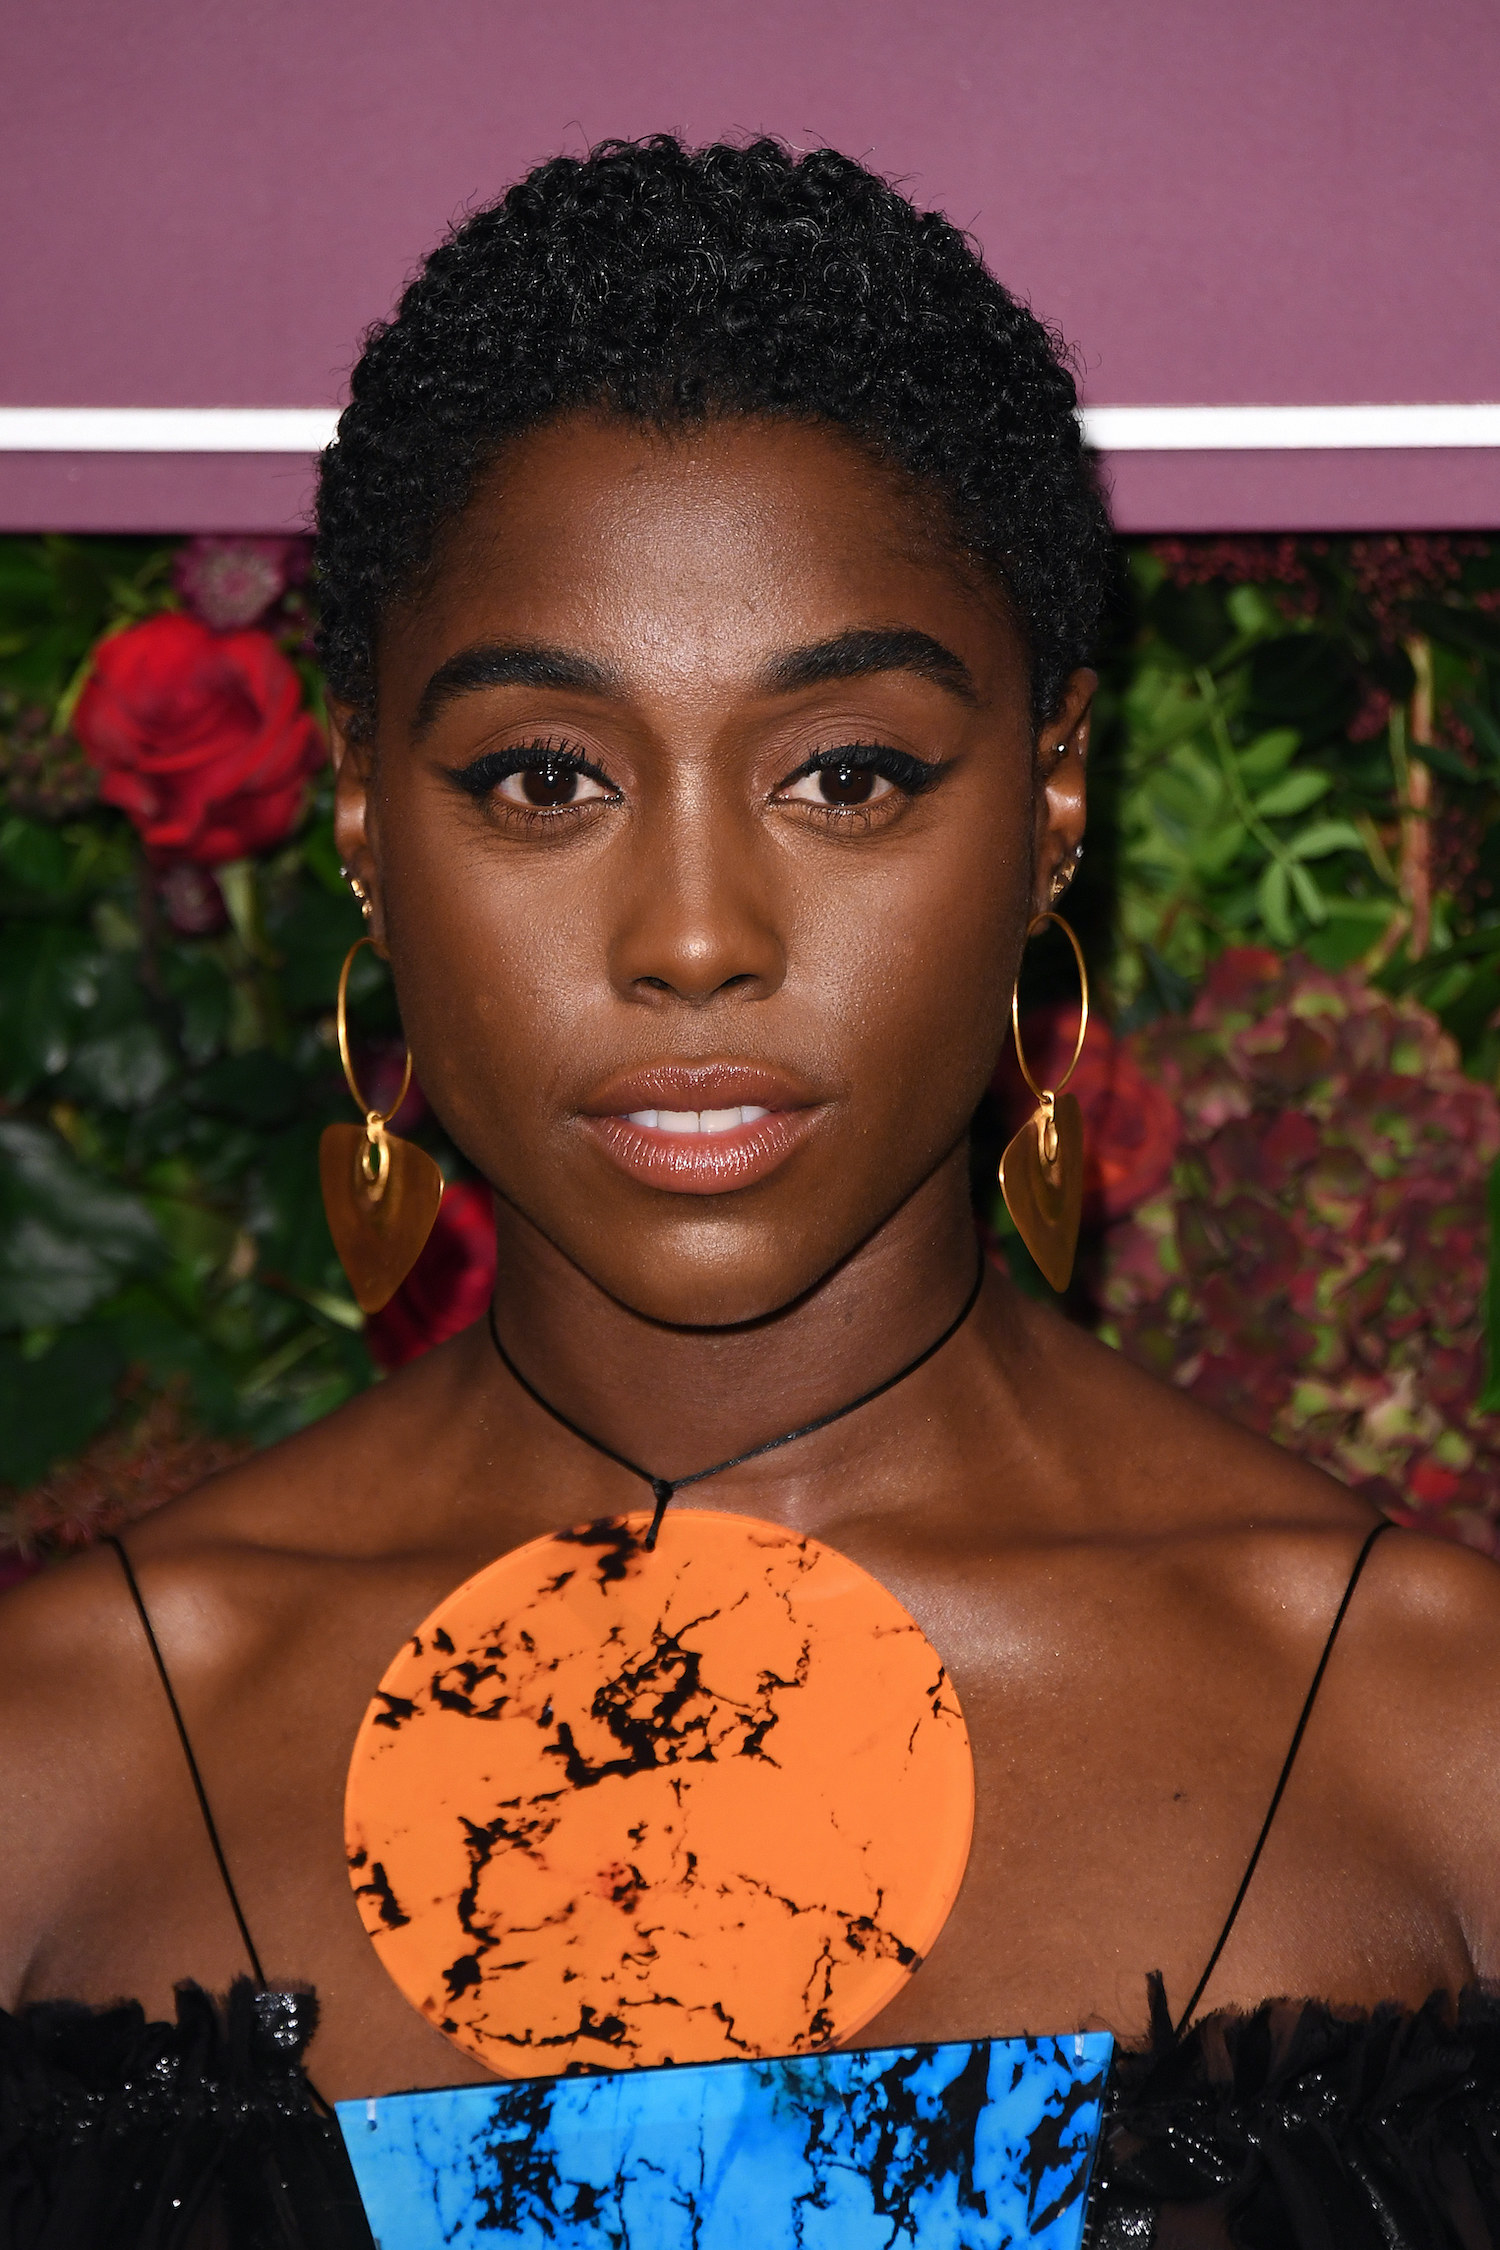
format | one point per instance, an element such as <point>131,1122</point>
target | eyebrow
<point>492,664</point>
<point>856,655</point>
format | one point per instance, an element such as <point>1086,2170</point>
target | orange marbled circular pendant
<point>613,1807</point>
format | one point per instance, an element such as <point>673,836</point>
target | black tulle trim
<point>1295,2128</point>
<point>1302,2128</point>
<point>203,2134</point>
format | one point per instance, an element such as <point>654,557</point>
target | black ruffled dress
<point>1292,2129</point>
<point>1295,2128</point>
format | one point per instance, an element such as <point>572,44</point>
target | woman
<point>709,566</point>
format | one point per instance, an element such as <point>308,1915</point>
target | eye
<point>536,777</point>
<point>856,775</point>
<point>840,785</point>
<point>551,783</point>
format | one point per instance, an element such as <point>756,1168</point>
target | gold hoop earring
<point>1041,1172</point>
<point>381,1193</point>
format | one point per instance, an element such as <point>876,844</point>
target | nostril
<point>682,992</point>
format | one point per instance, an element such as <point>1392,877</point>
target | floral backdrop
<point>1290,901</point>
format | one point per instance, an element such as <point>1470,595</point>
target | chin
<point>707,1283</point>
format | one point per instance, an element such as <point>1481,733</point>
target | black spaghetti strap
<point>1286,1774</point>
<point>192,1763</point>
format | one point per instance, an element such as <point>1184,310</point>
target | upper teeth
<point>697,1120</point>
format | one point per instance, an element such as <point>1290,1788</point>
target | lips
<point>701,1129</point>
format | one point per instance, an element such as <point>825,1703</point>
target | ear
<point>355,817</point>
<point>1062,799</point>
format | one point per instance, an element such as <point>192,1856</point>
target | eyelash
<point>910,775</point>
<point>484,774</point>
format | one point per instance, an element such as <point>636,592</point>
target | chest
<point>1119,1788</point>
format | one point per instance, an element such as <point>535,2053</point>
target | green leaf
<point>286,1214</point>
<point>1323,837</point>
<point>51,1405</point>
<point>1352,928</point>
<point>1272,896</point>
<point>1460,628</point>
<point>1293,793</point>
<point>312,931</point>
<point>123,1069</point>
<point>205,996</point>
<point>1253,611</point>
<point>1268,754</point>
<point>1485,726</point>
<point>47,978</point>
<point>260,1087</point>
<point>36,856</point>
<point>1309,679</point>
<point>1309,897</point>
<point>67,1238</point>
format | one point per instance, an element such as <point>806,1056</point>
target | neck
<point>676,1399</point>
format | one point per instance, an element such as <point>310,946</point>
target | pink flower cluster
<point>1315,1263</point>
<point>1248,559</point>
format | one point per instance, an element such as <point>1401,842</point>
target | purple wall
<point>1291,201</point>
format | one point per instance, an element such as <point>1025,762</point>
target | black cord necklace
<point>664,1487</point>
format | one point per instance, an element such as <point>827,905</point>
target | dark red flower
<point>201,737</point>
<point>448,1287</point>
<point>1317,1265</point>
<point>231,583</point>
<point>191,899</point>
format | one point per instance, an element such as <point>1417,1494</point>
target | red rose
<point>447,1288</point>
<point>200,737</point>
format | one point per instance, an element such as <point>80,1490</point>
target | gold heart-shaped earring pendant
<point>1041,1178</point>
<point>381,1193</point>
<point>1041,1172</point>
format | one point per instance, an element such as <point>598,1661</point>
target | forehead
<point>700,548</point>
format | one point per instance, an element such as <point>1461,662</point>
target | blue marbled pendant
<point>974,2146</point>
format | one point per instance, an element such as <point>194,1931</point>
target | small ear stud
<point>1064,876</point>
<point>358,889</point>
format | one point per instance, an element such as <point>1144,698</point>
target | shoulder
<point>1414,1698</point>
<point>72,1698</point>
<point>240,1580</point>
<point>1153,1465</point>
<point>1245,1553</point>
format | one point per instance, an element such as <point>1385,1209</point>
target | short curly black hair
<point>669,283</point>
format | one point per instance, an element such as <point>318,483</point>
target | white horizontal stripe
<point>1287,429</point>
<point>1113,429</point>
<point>166,429</point>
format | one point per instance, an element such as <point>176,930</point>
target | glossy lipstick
<point>700,1129</point>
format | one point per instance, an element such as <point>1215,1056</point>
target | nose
<point>698,923</point>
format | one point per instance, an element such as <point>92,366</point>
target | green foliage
<point>161,1094</point>
<point>1256,760</point>
<point>158,1162</point>
<point>1257,781</point>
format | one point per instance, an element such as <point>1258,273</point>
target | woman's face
<point>703,822</point>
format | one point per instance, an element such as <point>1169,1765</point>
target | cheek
<point>910,965</point>
<point>505,1002</point>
